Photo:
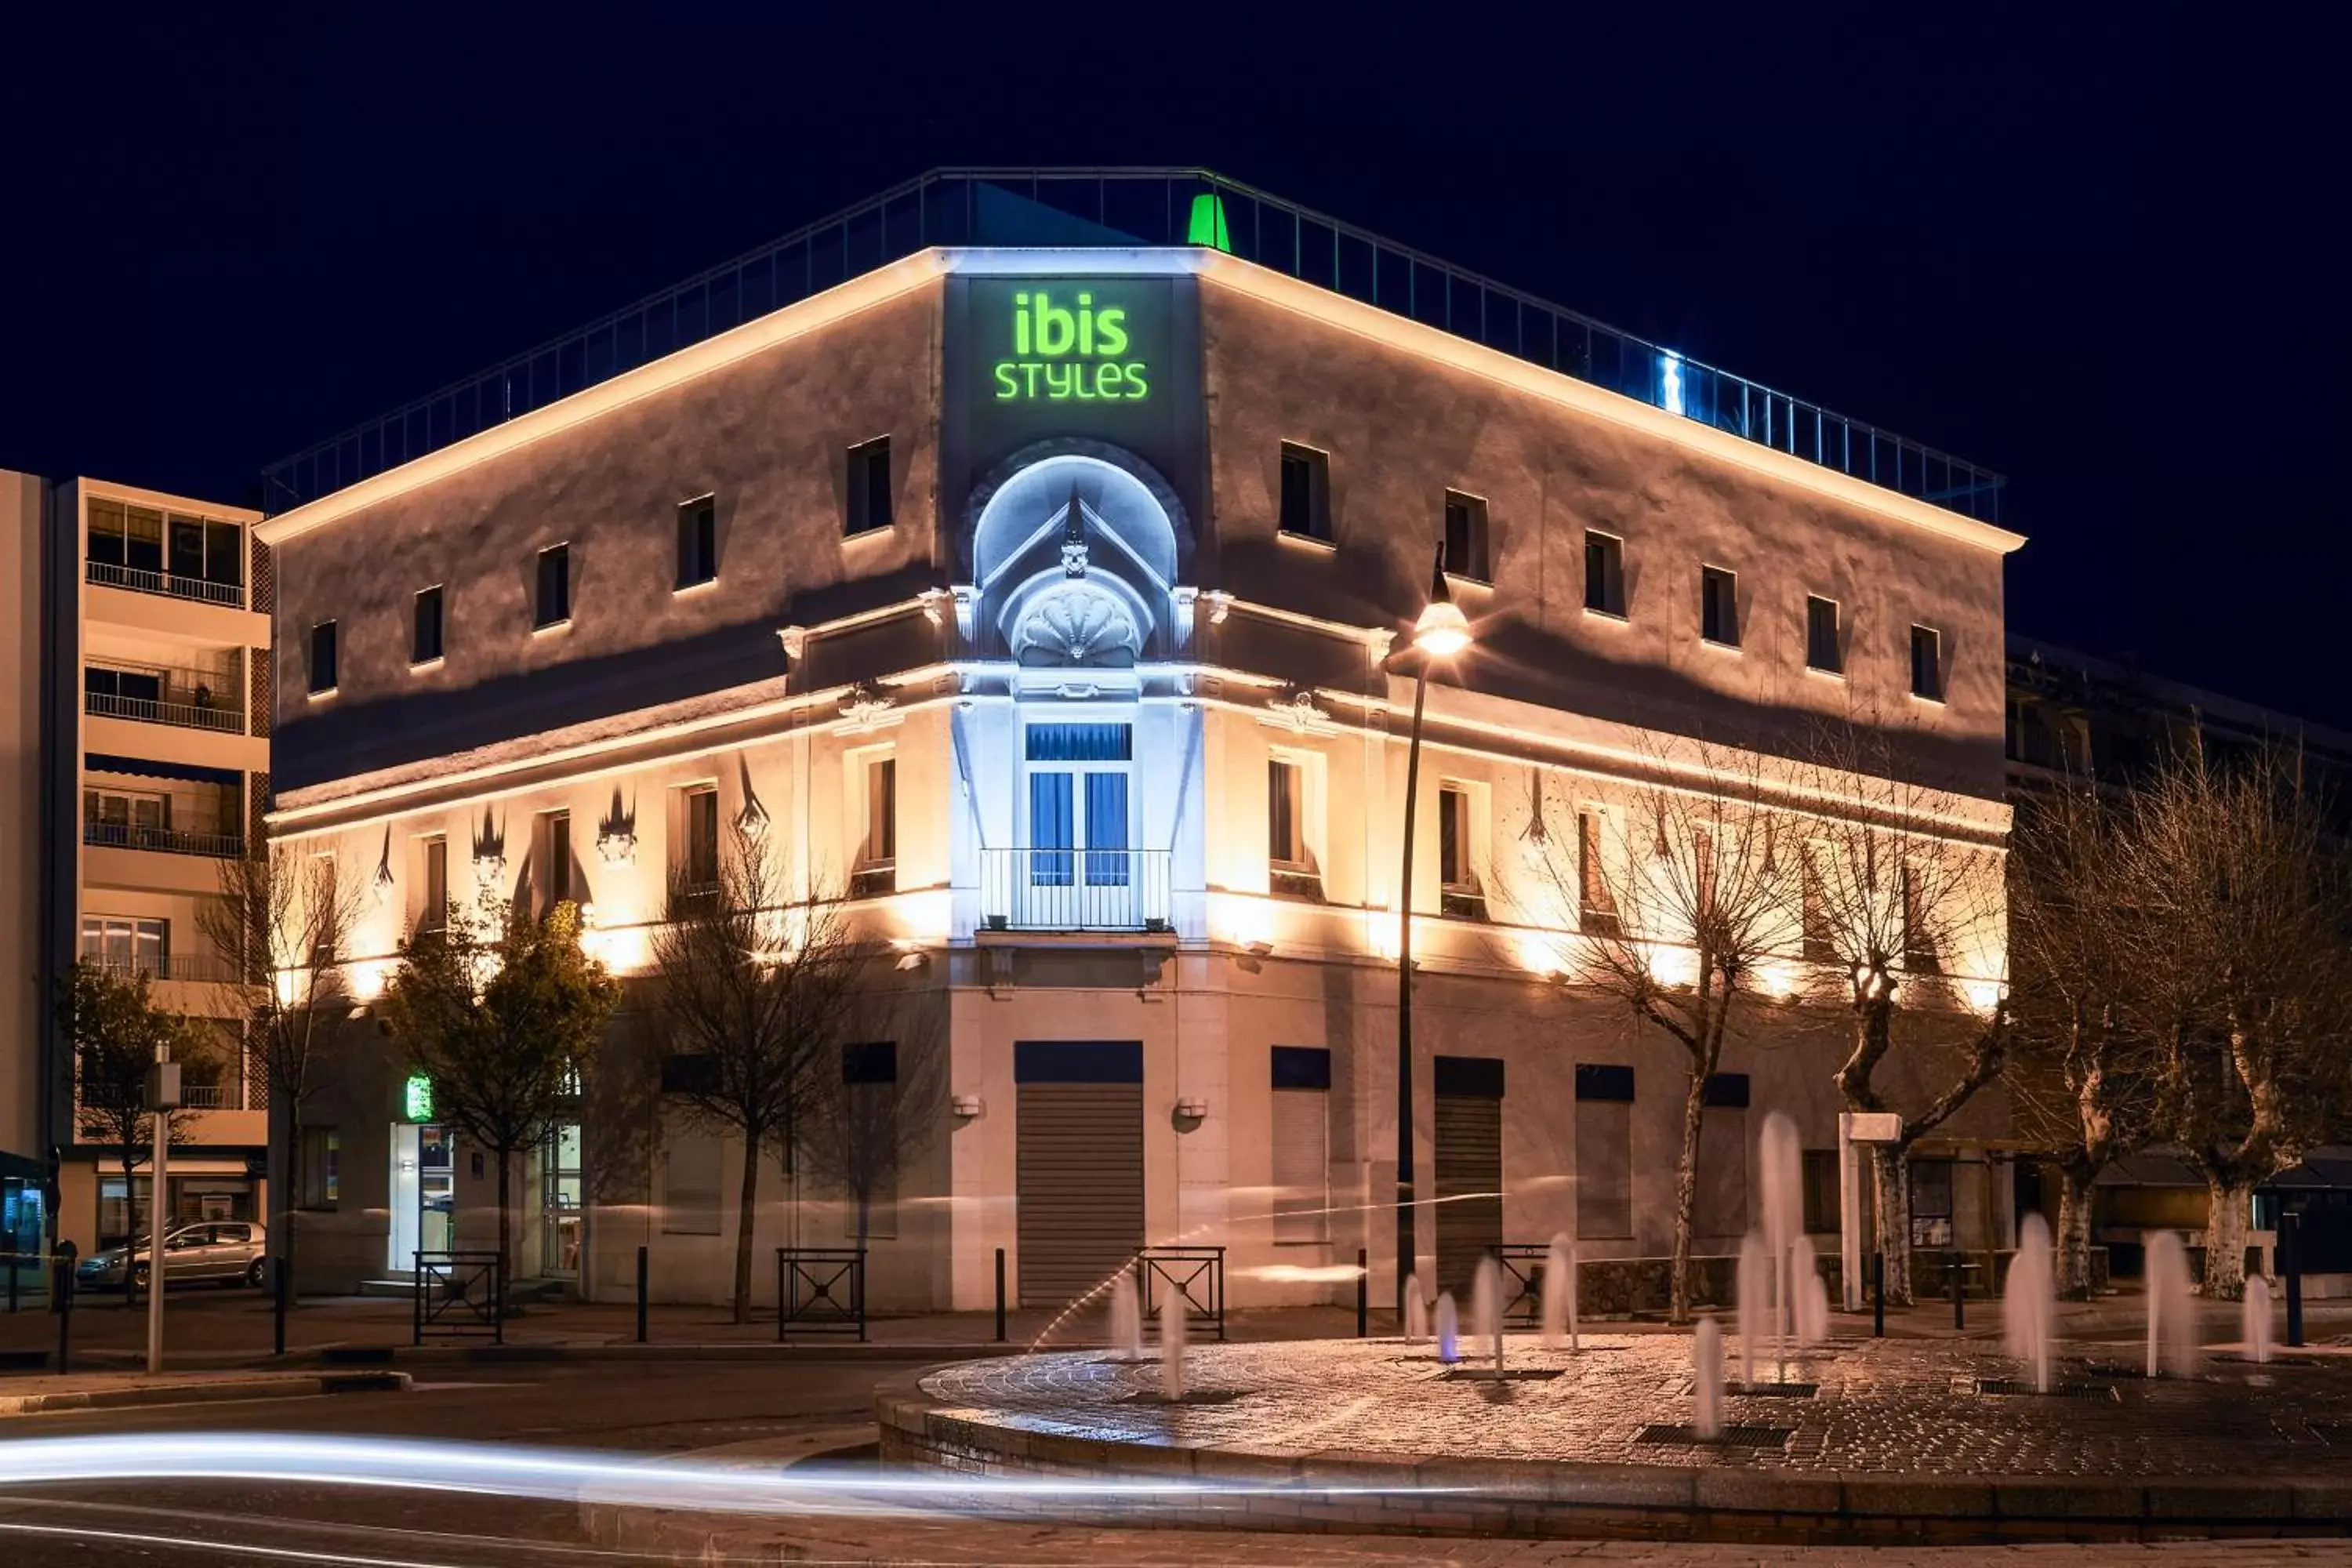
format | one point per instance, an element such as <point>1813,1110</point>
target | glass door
<point>1080,870</point>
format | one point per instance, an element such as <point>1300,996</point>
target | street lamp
<point>1442,632</point>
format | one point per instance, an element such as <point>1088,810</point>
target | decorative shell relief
<point>1075,622</point>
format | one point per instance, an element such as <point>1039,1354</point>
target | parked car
<point>230,1251</point>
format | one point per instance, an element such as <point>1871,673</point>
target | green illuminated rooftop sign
<point>1066,352</point>
<point>416,1098</point>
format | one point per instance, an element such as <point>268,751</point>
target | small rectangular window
<point>1596,907</point>
<point>1457,870</point>
<point>696,867</point>
<point>554,605</point>
<point>1931,1203</point>
<point>1465,537</point>
<point>319,1176</point>
<point>1305,492</point>
<point>1822,643</point>
<point>1920,947</point>
<point>322,659</point>
<point>697,542</point>
<point>433,906</point>
<point>877,830</point>
<point>869,487</point>
<point>1818,930</point>
<point>425,640</point>
<point>1604,573</point>
<point>1289,859</point>
<point>555,845</point>
<point>1718,606</point>
<point>1927,663</point>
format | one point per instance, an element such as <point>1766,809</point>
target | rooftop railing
<point>1105,207</point>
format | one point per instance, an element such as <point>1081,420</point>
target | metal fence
<point>140,580</point>
<point>167,840</point>
<point>1070,889</point>
<point>1193,1276</point>
<point>1522,1263</point>
<point>1153,207</point>
<point>459,1296</point>
<point>820,1291</point>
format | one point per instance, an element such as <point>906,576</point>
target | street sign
<point>1873,1126</point>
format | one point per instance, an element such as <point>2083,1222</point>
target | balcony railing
<point>152,710</point>
<point>140,580</point>
<point>212,1096</point>
<point>198,968</point>
<point>1075,890</point>
<point>167,840</point>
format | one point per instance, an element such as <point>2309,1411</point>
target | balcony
<point>201,969</point>
<point>188,697</point>
<point>164,840</point>
<point>1074,890</point>
<point>139,580</point>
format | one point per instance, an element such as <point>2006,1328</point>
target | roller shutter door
<point>1080,1177</point>
<point>1469,1162</point>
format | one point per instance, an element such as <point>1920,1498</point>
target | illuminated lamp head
<point>1442,629</point>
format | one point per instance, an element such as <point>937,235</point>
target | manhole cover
<point>1509,1374</point>
<point>1731,1438</point>
<point>2017,1385</point>
<point>1773,1390</point>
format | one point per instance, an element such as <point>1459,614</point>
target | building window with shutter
<point>1605,1151</point>
<point>1302,1146</point>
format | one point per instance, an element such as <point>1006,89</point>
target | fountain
<point>1812,1302</point>
<point>1753,1298</point>
<point>1781,1163</point>
<point>2254,1319</point>
<point>1706,1381</point>
<point>2172,1327</point>
<point>1416,1311</point>
<point>1486,1309</point>
<point>1126,1320</point>
<point>1172,1349</point>
<point>1449,1330</point>
<point>2029,1302</point>
<point>1559,1293</point>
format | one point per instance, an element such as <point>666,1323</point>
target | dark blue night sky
<point>2101,254</point>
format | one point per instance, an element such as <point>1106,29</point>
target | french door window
<point>1079,810</point>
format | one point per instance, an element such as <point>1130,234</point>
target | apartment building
<point>139,759</point>
<point>1029,562</point>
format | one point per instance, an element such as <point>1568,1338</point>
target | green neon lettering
<point>1136,386</point>
<point>1058,382</point>
<point>1021,325</point>
<point>1111,333</point>
<point>1006,386</point>
<point>1086,323</point>
<point>1056,327</point>
<point>1029,372</point>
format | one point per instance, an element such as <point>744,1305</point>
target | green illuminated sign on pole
<point>1206,224</point>
<point>416,1098</point>
<point>1069,352</point>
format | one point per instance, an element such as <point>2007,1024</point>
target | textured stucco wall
<point>21,694</point>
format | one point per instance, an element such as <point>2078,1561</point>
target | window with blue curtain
<point>1081,743</point>
<point>1052,830</point>
<point>1107,845</point>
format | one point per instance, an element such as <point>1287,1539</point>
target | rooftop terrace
<point>1126,207</point>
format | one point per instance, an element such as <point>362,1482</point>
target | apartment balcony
<point>140,580</point>
<point>182,706</point>
<point>1056,890</point>
<point>164,840</point>
<point>196,969</point>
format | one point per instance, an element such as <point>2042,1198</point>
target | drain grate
<point>1773,1390</point>
<point>2111,1370</point>
<point>1509,1374</point>
<point>1192,1396</point>
<point>1732,1437</point>
<point>2022,1386</point>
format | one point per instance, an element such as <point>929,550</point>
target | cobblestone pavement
<point>1880,1408</point>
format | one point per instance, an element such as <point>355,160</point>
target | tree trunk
<point>1686,1197</point>
<point>506,1251</point>
<point>747,1210</point>
<point>2075,1233</point>
<point>155,1243</point>
<point>1893,1162</point>
<point>2225,1239</point>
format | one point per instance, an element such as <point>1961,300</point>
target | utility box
<point>163,1087</point>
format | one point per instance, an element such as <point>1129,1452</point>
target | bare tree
<point>505,1014</point>
<point>120,1032</point>
<point>762,994</point>
<point>284,922</point>
<point>1903,909</point>
<point>857,1136</point>
<point>2246,907</point>
<point>1676,933</point>
<point>2082,1080</point>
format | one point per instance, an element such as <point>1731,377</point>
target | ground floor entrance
<point>1079,1185</point>
<point>424,1187</point>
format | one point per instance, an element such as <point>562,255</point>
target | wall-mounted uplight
<point>1257,948</point>
<point>967,1106</point>
<point>1190,1112</point>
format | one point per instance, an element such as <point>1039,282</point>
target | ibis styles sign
<point>1069,345</point>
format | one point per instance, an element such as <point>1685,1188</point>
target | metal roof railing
<point>1124,207</point>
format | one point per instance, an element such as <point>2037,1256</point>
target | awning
<point>148,768</point>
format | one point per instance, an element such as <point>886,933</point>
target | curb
<point>927,1355</point>
<point>295,1386</point>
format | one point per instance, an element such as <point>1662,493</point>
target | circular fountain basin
<point>1893,1440</point>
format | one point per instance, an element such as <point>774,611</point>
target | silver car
<point>232,1252</point>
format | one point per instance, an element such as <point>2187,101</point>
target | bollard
<point>2290,1247</point>
<point>1363,1295</point>
<point>641,1295</point>
<point>61,1287</point>
<point>1959,1301</point>
<point>999,1295</point>
<point>1878,1295</point>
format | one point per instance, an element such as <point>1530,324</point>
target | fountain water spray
<point>2254,1319</point>
<point>1812,1296</point>
<point>1780,1162</point>
<point>2029,1300</point>
<point>1486,1309</point>
<point>1559,1293</point>
<point>1416,1311</point>
<point>1753,1298</point>
<point>1172,1349</point>
<point>1706,1381</point>
<point>1126,1320</point>
<point>2171,1328</point>
<point>1449,1329</point>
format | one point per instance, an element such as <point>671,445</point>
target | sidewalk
<point>208,1328</point>
<point>103,1391</point>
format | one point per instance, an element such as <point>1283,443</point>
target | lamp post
<point>1442,632</point>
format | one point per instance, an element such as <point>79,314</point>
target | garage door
<point>1081,1180</point>
<point>1469,1168</point>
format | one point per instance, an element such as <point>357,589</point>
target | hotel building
<point>137,718</point>
<point>1029,560</point>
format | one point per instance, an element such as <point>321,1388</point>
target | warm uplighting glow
<point>1442,629</point>
<point>1984,995</point>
